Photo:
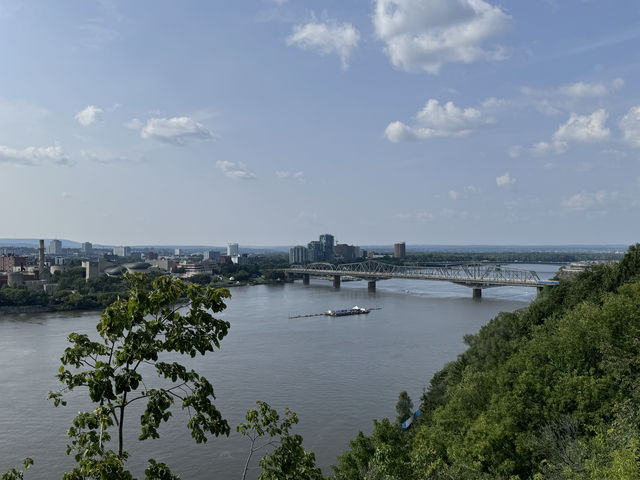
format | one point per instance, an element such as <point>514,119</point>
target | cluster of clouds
<point>326,38</point>
<point>589,129</point>
<point>418,35</point>
<point>32,156</point>
<point>436,120</point>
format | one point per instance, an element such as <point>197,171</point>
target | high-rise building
<point>327,241</point>
<point>211,255</point>
<point>233,250</point>
<point>314,252</point>
<point>346,252</point>
<point>298,254</point>
<point>122,251</point>
<point>86,248</point>
<point>399,250</point>
<point>55,247</point>
<point>177,252</point>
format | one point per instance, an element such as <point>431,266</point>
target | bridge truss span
<point>475,275</point>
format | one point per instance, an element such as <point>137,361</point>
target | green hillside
<point>548,392</point>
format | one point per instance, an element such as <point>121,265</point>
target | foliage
<point>404,407</point>
<point>14,474</point>
<point>265,422</point>
<point>171,317</point>
<point>549,392</point>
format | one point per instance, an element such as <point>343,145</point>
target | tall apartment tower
<point>314,251</point>
<point>233,250</point>
<point>327,242</point>
<point>399,250</point>
<point>298,254</point>
<point>55,247</point>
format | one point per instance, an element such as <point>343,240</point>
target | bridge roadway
<point>476,276</point>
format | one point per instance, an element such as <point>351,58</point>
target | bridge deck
<point>472,275</point>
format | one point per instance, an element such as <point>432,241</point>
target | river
<point>337,373</point>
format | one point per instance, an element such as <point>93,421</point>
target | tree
<point>170,317</point>
<point>262,422</point>
<point>288,460</point>
<point>14,474</point>
<point>404,407</point>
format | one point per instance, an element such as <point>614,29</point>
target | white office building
<point>233,250</point>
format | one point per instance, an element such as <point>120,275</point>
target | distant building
<point>11,263</point>
<point>59,261</point>
<point>211,255</point>
<point>177,252</point>
<point>240,259</point>
<point>86,248</point>
<point>150,256</point>
<point>346,252</point>
<point>91,269</point>
<point>298,254</point>
<point>399,250</point>
<point>55,247</point>
<point>327,242</point>
<point>314,251</point>
<point>233,249</point>
<point>122,251</point>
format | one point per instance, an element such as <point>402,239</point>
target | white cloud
<point>326,38</point>
<point>32,156</point>
<point>65,195</point>
<point>436,120</point>
<point>176,130</point>
<point>630,126</point>
<point>515,151</point>
<point>453,194</point>
<point>423,35</point>
<point>108,159</point>
<point>293,175</point>
<point>88,116</point>
<point>134,124</point>
<point>585,200</point>
<point>505,180</point>
<point>582,89</point>
<point>545,148</point>
<point>584,128</point>
<point>235,170</point>
<point>493,103</point>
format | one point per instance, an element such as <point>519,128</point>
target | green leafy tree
<point>171,317</point>
<point>15,474</point>
<point>290,461</point>
<point>264,428</point>
<point>404,407</point>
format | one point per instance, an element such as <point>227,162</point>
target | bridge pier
<point>539,290</point>
<point>371,285</point>
<point>291,277</point>
<point>305,279</point>
<point>336,281</point>
<point>477,293</point>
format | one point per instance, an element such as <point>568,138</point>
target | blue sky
<point>269,122</point>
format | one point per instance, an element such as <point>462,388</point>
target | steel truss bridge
<point>476,275</point>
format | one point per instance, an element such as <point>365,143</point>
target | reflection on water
<point>336,373</point>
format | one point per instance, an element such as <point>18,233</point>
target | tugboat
<point>350,311</point>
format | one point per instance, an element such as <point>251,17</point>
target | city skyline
<point>270,122</point>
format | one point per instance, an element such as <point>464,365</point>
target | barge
<point>350,311</point>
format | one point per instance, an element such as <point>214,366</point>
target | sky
<point>269,122</point>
